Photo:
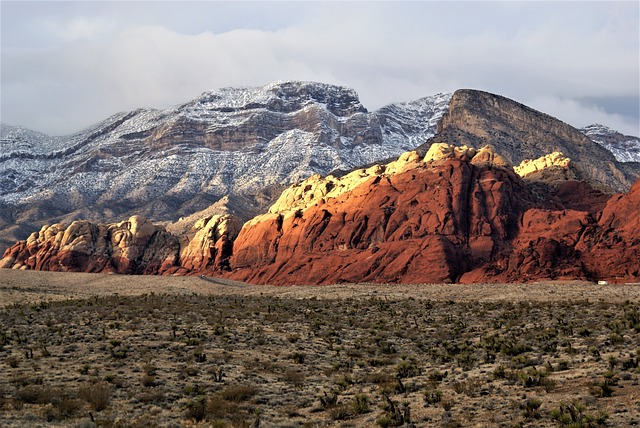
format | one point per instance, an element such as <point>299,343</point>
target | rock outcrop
<point>209,248</point>
<point>134,246</point>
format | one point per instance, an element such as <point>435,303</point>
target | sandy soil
<point>31,287</point>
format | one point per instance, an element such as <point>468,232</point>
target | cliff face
<point>463,215</point>
<point>458,214</point>
<point>517,132</point>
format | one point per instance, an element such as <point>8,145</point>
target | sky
<point>68,65</point>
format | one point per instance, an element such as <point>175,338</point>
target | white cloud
<point>79,28</point>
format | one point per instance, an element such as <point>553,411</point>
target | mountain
<point>457,214</point>
<point>624,147</point>
<point>518,132</point>
<point>234,142</point>
<point>493,191</point>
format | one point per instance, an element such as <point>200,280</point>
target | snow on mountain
<point>624,147</point>
<point>167,163</point>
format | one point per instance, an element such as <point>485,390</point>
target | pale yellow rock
<point>439,151</point>
<point>208,232</point>
<point>317,189</point>
<point>7,262</point>
<point>488,155</point>
<point>77,237</point>
<point>555,159</point>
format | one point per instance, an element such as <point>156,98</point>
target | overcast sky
<point>67,65</point>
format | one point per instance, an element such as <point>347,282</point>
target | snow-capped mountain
<point>624,147</point>
<point>170,163</point>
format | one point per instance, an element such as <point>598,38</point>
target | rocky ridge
<point>457,214</point>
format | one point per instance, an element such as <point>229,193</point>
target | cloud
<point>79,28</point>
<point>580,114</point>
<point>120,56</point>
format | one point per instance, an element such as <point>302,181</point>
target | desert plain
<point>84,350</point>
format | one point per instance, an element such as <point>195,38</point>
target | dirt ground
<point>30,287</point>
<point>85,350</point>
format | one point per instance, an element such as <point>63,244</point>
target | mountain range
<point>231,147</point>
<point>461,187</point>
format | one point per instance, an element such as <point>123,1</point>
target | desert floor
<point>116,351</point>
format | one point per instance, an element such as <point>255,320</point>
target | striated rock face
<point>458,214</point>
<point>134,246</point>
<point>517,132</point>
<point>211,245</point>
<point>429,223</point>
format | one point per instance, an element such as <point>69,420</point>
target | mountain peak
<point>280,96</point>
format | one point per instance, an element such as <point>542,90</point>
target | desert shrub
<point>470,387</point>
<point>194,390</point>
<point>62,407</point>
<point>433,396</point>
<point>196,409</point>
<point>13,361</point>
<point>393,415</point>
<point>407,368</point>
<point>219,408</point>
<point>531,377</point>
<point>34,394</point>
<point>437,375</point>
<point>512,347</point>
<point>329,400</point>
<point>295,377</point>
<point>360,404</point>
<point>238,393</point>
<point>190,371</point>
<point>148,380</point>
<point>298,357</point>
<point>155,395</point>
<point>574,415</point>
<point>97,395</point>
<point>531,408</point>
<point>150,369</point>
<point>340,412</point>
<point>344,381</point>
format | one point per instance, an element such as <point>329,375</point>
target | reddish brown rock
<point>426,224</point>
<point>611,250</point>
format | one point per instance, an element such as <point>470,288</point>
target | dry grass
<point>184,352</point>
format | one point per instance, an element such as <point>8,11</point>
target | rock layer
<point>134,246</point>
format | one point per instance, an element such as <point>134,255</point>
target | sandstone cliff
<point>458,215</point>
<point>134,246</point>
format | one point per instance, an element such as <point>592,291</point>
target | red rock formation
<point>430,223</point>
